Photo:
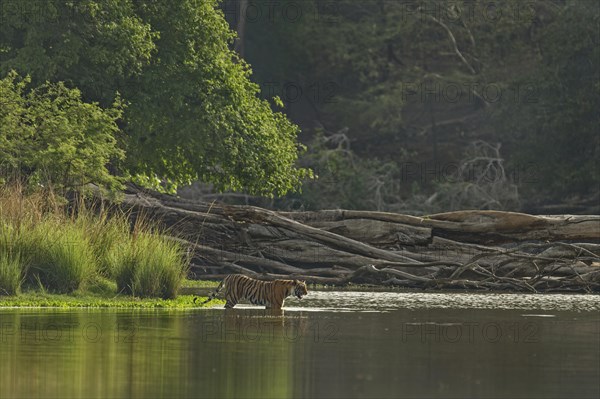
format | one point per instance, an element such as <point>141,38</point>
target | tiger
<point>271,294</point>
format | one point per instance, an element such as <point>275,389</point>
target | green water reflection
<point>254,353</point>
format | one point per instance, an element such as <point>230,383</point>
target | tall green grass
<point>13,263</point>
<point>149,265</point>
<point>105,233</point>
<point>11,275</point>
<point>61,255</point>
<point>43,244</point>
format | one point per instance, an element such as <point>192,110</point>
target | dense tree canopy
<point>191,109</point>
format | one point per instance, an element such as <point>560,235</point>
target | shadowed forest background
<point>418,107</point>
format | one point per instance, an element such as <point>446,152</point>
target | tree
<point>192,110</point>
<point>49,136</point>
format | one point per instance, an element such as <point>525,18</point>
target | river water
<point>330,344</point>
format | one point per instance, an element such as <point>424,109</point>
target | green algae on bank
<point>37,300</point>
<point>187,283</point>
<point>102,293</point>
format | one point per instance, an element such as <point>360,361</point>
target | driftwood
<point>488,250</point>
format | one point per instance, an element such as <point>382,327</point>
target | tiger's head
<point>300,289</point>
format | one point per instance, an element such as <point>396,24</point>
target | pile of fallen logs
<point>488,250</point>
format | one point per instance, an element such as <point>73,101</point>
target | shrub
<point>52,138</point>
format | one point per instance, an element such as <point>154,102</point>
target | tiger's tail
<point>212,295</point>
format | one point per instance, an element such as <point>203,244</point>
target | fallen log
<point>482,250</point>
<point>477,226</point>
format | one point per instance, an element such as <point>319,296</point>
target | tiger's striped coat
<point>271,294</point>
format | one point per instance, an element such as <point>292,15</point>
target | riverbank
<point>107,297</point>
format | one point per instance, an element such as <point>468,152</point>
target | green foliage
<point>193,112</point>
<point>52,138</point>
<point>203,116</point>
<point>93,45</point>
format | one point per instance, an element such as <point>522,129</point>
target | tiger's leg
<point>275,305</point>
<point>277,301</point>
<point>229,304</point>
<point>230,301</point>
<point>231,297</point>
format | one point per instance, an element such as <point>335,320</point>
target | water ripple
<point>382,301</point>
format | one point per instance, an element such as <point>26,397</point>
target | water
<point>330,344</point>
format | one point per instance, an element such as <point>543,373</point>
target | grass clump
<point>105,233</point>
<point>11,275</point>
<point>61,256</point>
<point>44,246</point>
<point>149,265</point>
<point>12,262</point>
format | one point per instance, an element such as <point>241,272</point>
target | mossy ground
<point>200,284</point>
<point>103,294</point>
